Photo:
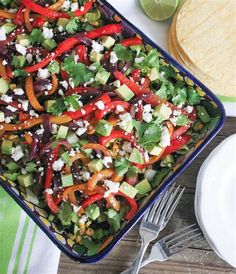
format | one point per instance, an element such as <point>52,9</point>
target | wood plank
<point>197,259</point>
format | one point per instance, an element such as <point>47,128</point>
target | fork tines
<point>183,238</point>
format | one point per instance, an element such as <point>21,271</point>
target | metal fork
<point>155,220</point>
<point>174,243</point>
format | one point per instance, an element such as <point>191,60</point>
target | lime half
<point>159,9</point>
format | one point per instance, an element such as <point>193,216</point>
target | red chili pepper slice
<point>110,107</point>
<point>19,19</point>
<point>176,144</point>
<point>135,74</point>
<point>131,42</point>
<point>132,203</point>
<point>82,52</point>
<point>87,109</point>
<point>52,14</point>
<point>92,199</point>
<point>105,30</point>
<point>180,131</point>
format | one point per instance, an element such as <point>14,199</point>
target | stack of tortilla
<point>202,37</point>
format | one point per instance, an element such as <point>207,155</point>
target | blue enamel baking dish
<point>39,215</point>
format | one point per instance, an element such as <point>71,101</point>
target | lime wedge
<point>159,9</point>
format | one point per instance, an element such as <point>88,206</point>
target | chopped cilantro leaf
<point>19,73</point>
<point>122,166</point>
<point>36,36</point>
<point>53,67</point>
<point>193,97</point>
<point>72,26</point>
<point>180,97</point>
<point>72,101</point>
<point>123,53</point>
<point>150,60</point>
<point>58,107</point>
<point>182,120</point>
<point>31,167</point>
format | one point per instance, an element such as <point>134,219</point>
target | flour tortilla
<point>204,39</point>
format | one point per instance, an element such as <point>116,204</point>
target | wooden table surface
<point>197,259</point>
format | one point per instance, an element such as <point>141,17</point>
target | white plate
<point>215,200</point>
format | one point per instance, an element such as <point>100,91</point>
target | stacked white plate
<point>215,200</point>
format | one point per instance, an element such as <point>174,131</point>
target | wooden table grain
<point>196,259</point>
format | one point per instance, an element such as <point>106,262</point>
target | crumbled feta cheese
<point>100,105</point>
<point>76,208</point>
<point>116,83</point>
<point>92,68</point>
<point>74,6</point>
<point>81,131</point>
<point>49,191</point>
<point>165,137</point>
<point>17,153</point>
<point>18,91</point>
<point>76,58</point>
<point>107,160</point>
<point>97,47</point>
<point>82,8</point>
<point>66,5</point>
<point>43,73</point>
<point>72,153</point>
<point>40,130</point>
<point>64,84</point>
<point>57,165</point>
<point>189,109</point>
<point>41,169</point>
<point>147,108</point>
<point>25,104</point>
<point>119,108</point>
<point>21,49</point>
<point>4,62</point>
<point>83,219</point>
<point>147,117</point>
<point>85,175</point>
<point>146,157</point>
<point>113,57</point>
<point>150,174</point>
<point>126,117</point>
<point>23,171</point>
<point>12,109</point>
<point>60,28</point>
<point>47,33</point>
<point>60,92</point>
<point>8,119</point>
<point>33,113</point>
<point>127,147</point>
<point>54,128</point>
<point>6,98</point>
<point>3,36</point>
<point>138,60</point>
<point>29,57</point>
<point>113,187</point>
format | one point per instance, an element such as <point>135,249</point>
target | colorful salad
<point>91,119</point>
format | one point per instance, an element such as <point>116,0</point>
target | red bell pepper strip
<point>82,52</point>
<point>180,131</point>
<point>176,144</point>
<point>132,203</point>
<point>23,117</point>
<point>48,183</point>
<point>19,19</point>
<point>80,90</point>
<point>87,109</point>
<point>92,199</point>
<point>52,14</point>
<point>135,41</point>
<point>135,74</point>
<point>139,113</point>
<point>111,107</point>
<point>105,30</point>
<point>39,22</point>
<point>146,83</point>
<point>62,48</point>
<point>120,134</point>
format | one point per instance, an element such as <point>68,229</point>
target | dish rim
<point>97,257</point>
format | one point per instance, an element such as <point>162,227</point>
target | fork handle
<point>139,258</point>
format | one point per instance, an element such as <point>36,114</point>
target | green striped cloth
<point>24,248</point>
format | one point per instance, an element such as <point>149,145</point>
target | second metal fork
<point>155,220</point>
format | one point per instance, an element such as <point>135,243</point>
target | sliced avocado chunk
<point>74,218</point>
<point>31,197</point>
<point>182,120</point>
<point>95,165</point>
<point>102,218</point>
<point>162,111</point>
<point>9,27</point>
<point>83,142</point>
<point>104,128</point>
<point>128,190</point>
<point>18,61</point>
<point>154,149</point>
<point>23,39</point>
<point>153,74</point>
<point>113,219</point>
<point>49,44</point>
<point>92,211</point>
<point>124,92</point>
<point>108,41</point>
<point>128,127</point>
<point>102,76</point>
<point>161,174</point>
<point>168,160</point>
<point>72,138</point>
<point>67,180</point>
<point>25,180</point>
<point>143,187</point>
<point>136,156</point>
<point>62,132</point>
<point>2,116</point>
<point>4,86</point>
<point>53,67</point>
<point>203,114</point>
<point>62,22</point>
<point>48,105</point>
<point>92,15</point>
<point>7,146</point>
<point>95,57</point>
<point>66,158</point>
